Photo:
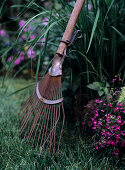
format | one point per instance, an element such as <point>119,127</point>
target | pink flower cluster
<point>106,119</point>
<point>30,54</point>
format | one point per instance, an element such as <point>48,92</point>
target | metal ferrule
<point>56,68</point>
<point>46,101</point>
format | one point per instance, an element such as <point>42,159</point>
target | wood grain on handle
<point>71,24</point>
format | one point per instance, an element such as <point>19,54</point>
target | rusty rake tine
<point>23,106</point>
<point>33,120</point>
<point>61,129</point>
<point>33,125</point>
<point>47,124</point>
<point>26,119</point>
<point>55,118</point>
<point>28,112</point>
<point>53,121</point>
<point>44,111</point>
<point>23,113</point>
<point>44,125</point>
<point>51,97</point>
<point>50,129</point>
<point>38,125</point>
<point>63,121</point>
<point>48,136</point>
<point>51,126</point>
<point>55,128</point>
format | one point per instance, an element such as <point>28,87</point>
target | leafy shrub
<point>106,119</point>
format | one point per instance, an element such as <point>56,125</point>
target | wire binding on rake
<point>46,101</point>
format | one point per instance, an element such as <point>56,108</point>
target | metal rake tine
<point>51,126</point>
<point>27,107</point>
<point>51,98</point>
<point>44,124</point>
<point>44,111</point>
<point>49,135</point>
<point>38,125</point>
<point>55,117</point>
<point>61,128</point>
<point>24,104</point>
<point>26,119</point>
<point>34,119</point>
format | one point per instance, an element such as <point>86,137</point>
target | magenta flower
<point>96,115</point>
<point>94,122</point>
<point>45,21</point>
<point>98,101</point>
<point>31,53</point>
<point>9,59</point>
<point>22,23</point>
<point>110,105</point>
<point>99,122</point>
<point>24,37</point>
<point>97,147</point>
<point>2,33</point>
<point>113,80</point>
<point>17,61</point>
<point>32,37</point>
<point>21,58</point>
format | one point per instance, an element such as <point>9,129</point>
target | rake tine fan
<point>41,112</point>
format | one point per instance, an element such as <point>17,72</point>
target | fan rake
<point>41,112</point>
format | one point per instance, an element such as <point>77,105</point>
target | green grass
<point>75,153</point>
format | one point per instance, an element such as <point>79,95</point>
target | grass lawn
<point>75,153</point>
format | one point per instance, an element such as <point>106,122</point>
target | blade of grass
<point>93,29</point>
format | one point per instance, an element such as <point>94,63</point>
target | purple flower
<point>17,61</point>
<point>22,23</point>
<point>24,37</point>
<point>21,53</point>
<point>98,101</point>
<point>32,37</point>
<point>89,6</point>
<point>46,3</point>
<point>2,33</point>
<point>21,58</point>
<point>96,115</point>
<point>97,147</point>
<point>110,105</point>
<point>113,80</point>
<point>31,53</point>
<point>94,122</point>
<point>15,50</point>
<point>9,59</point>
<point>25,29</point>
<point>99,122</point>
<point>45,21</point>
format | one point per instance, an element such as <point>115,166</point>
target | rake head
<point>41,112</point>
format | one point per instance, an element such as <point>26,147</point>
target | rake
<point>41,112</point>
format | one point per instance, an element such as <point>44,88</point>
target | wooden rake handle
<point>71,24</point>
<point>56,69</point>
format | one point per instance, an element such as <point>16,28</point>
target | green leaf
<point>92,86</point>
<point>93,29</point>
<point>100,92</point>
<point>98,84</point>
